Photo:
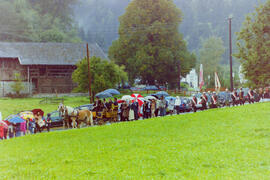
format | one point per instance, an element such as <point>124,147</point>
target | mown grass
<point>13,106</point>
<point>231,143</point>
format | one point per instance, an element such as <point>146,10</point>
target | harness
<point>251,97</point>
<point>215,102</point>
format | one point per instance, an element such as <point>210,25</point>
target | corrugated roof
<point>48,53</point>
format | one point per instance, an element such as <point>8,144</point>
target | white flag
<point>217,82</point>
<point>201,81</point>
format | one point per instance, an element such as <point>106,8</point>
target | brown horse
<point>79,116</point>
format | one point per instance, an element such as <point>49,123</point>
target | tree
<point>210,56</point>
<point>149,44</point>
<point>104,75</point>
<point>17,86</point>
<point>253,43</point>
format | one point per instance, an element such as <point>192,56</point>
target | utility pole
<point>230,34</point>
<point>89,72</point>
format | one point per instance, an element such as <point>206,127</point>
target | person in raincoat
<point>171,106</point>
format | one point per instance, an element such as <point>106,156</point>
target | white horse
<point>76,116</point>
<point>66,112</point>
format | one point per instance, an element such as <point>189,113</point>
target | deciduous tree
<point>150,45</point>
<point>253,44</point>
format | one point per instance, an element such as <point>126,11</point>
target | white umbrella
<point>150,98</point>
<point>127,98</point>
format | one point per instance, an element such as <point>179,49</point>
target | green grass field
<point>232,143</point>
<point>13,106</point>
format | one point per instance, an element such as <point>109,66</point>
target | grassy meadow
<point>230,143</point>
<point>13,106</point>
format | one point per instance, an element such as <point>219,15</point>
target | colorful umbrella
<point>27,115</point>
<point>139,98</point>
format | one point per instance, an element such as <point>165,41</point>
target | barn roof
<point>48,53</point>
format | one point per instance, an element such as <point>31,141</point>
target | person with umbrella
<point>162,106</point>
<point>135,107</point>
<point>48,122</point>
<point>153,108</point>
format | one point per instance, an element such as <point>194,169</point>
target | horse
<point>66,113</point>
<point>79,116</point>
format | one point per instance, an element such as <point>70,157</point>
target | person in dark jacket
<point>48,122</point>
<point>241,97</point>
<point>194,102</point>
<point>214,100</point>
<point>235,97</point>
<point>135,108</point>
<point>251,96</point>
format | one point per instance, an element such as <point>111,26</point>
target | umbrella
<point>136,96</point>
<point>103,95</point>
<point>169,98</point>
<point>139,98</point>
<point>112,91</point>
<point>2,123</point>
<point>38,111</point>
<point>127,98</point>
<point>162,93</point>
<point>15,119</point>
<point>120,101</point>
<point>26,115</point>
<point>150,98</point>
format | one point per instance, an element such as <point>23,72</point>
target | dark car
<point>185,105</point>
<point>89,107</point>
<point>224,98</point>
<point>57,120</point>
<point>151,88</point>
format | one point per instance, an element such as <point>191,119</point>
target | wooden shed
<point>44,67</point>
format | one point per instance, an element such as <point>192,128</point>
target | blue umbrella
<point>169,98</point>
<point>112,91</point>
<point>103,95</point>
<point>15,119</point>
<point>162,93</point>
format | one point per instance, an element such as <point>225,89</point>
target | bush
<point>22,95</point>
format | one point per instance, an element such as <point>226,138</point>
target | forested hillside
<point>201,19</point>
<point>38,21</point>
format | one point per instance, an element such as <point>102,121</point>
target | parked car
<point>162,88</point>
<point>89,107</point>
<point>57,120</point>
<point>224,98</point>
<point>151,88</point>
<point>185,105</point>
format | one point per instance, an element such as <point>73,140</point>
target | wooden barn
<point>44,67</point>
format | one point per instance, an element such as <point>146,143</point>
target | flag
<point>201,82</point>
<point>217,82</point>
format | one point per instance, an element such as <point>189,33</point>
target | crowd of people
<point>132,110</point>
<point>27,126</point>
<point>127,110</point>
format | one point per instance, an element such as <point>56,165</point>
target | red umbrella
<point>38,111</point>
<point>136,96</point>
<point>120,101</point>
<point>139,98</point>
<point>2,123</point>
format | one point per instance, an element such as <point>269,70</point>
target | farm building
<point>44,67</point>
